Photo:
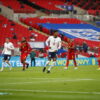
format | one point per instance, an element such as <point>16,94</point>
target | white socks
<point>53,64</point>
<point>3,65</point>
<point>47,63</point>
<point>10,67</point>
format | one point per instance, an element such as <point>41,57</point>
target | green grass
<point>60,84</point>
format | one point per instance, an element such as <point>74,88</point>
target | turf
<point>60,84</point>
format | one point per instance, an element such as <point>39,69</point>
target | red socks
<point>67,63</point>
<point>24,65</point>
<point>75,64</point>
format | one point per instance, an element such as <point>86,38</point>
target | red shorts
<point>71,56</point>
<point>23,56</point>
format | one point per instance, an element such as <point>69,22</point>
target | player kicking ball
<point>7,52</point>
<point>71,53</point>
<point>25,50</point>
<point>54,44</point>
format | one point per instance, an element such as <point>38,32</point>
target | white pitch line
<point>40,82</point>
<point>46,91</point>
<point>47,78</point>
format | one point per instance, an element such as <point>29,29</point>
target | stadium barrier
<point>15,61</point>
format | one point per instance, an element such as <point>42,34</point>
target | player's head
<point>55,34</point>
<point>70,40</point>
<point>33,50</point>
<point>7,40</point>
<point>23,39</point>
<point>84,42</point>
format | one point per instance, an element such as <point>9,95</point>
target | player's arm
<point>47,42</point>
<point>20,48</point>
<point>29,47</point>
<point>59,45</point>
<point>12,47</point>
<point>19,45</point>
<point>72,46</point>
<point>66,47</point>
<point>3,51</point>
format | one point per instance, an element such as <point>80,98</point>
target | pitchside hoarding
<point>15,61</point>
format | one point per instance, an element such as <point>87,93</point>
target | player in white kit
<point>7,52</point>
<point>54,44</point>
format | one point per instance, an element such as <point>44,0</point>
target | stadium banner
<point>88,34</point>
<point>15,61</point>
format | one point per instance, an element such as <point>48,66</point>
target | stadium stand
<point>44,25</point>
<point>52,20</point>
<point>91,7</point>
<point>10,28</point>
<point>63,23</point>
<point>48,4</point>
<point>18,7</point>
<point>34,22</point>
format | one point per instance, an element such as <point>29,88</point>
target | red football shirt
<point>25,47</point>
<point>71,47</point>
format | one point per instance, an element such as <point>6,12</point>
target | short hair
<point>24,38</point>
<point>7,38</point>
<point>55,31</point>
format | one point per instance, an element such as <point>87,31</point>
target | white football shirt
<point>53,43</point>
<point>8,47</point>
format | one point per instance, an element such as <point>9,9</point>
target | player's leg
<point>75,64</point>
<point>3,65</point>
<point>25,64</point>
<point>47,62</point>
<point>3,62</point>
<point>74,60</point>
<point>7,61</point>
<point>10,66</point>
<point>51,66</point>
<point>49,59</point>
<point>23,61</point>
<point>53,56</point>
<point>67,63</point>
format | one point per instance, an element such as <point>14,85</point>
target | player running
<point>7,52</point>
<point>53,43</point>
<point>25,50</point>
<point>71,53</point>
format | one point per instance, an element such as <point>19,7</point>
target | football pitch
<point>60,84</point>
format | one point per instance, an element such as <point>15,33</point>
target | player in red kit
<point>98,58</point>
<point>71,53</point>
<point>25,50</point>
